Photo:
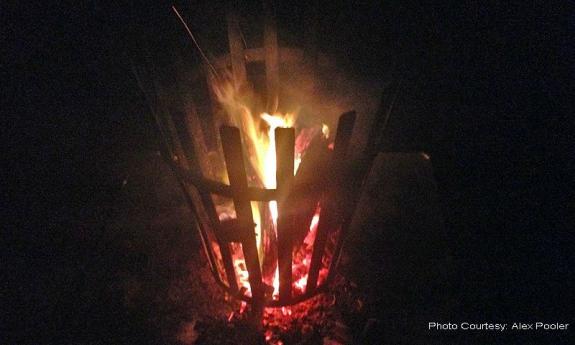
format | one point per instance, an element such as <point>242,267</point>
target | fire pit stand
<point>185,149</point>
<point>335,204</point>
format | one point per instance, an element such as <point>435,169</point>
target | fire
<point>258,135</point>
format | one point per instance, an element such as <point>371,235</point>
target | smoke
<point>325,91</point>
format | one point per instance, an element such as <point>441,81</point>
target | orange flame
<point>258,134</point>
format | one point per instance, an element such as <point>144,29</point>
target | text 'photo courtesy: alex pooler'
<point>487,326</point>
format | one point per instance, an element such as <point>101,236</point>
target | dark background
<point>491,106</point>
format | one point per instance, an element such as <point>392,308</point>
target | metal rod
<point>330,207</point>
<point>233,154</point>
<point>254,194</point>
<point>285,152</point>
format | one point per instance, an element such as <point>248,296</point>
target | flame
<point>258,135</point>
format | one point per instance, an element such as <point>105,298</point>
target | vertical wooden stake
<point>331,201</point>
<point>233,154</point>
<point>285,151</point>
<point>207,201</point>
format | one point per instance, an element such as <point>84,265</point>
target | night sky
<point>489,101</point>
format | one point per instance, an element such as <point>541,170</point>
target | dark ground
<point>491,105</point>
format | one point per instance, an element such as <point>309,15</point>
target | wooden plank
<point>233,155</point>
<point>190,148</point>
<point>343,135</point>
<point>331,203</point>
<point>236,49</point>
<point>193,199</point>
<point>362,167</point>
<point>271,58</point>
<point>173,148</point>
<point>254,194</point>
<point>285,152</point>
<point>201,200</point>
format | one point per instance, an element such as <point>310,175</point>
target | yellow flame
<point>258,134</point>
<point>261,142</point>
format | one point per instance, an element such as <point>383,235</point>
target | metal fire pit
<point>334,216</point>
<point>186,150</point>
